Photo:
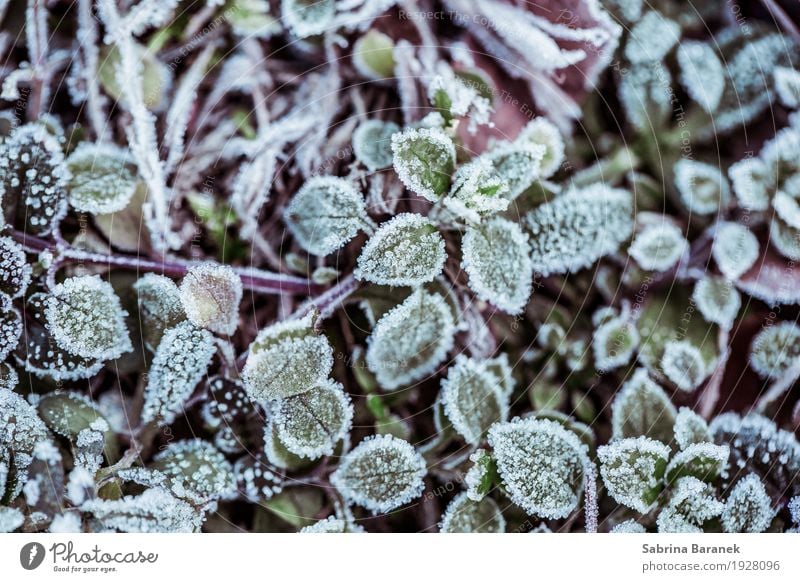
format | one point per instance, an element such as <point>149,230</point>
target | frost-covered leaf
<point>775,349</point>
<point>195,471</point>
<point>628,526</point>
<point>614,342</point>
<point>85,318</point>
<point>543,132</point>
<point>411,340</point>
<point>735,249</point>
<point>181,361</point>
<point>785,227</point>
<point>690,428</point>
<point>748,508</point>
<point>658,247</point>
<point>477,191</point>
<point>154,511</point>
<point>9,377</point>
<point>101,180</point>
<point>752,182</point>
<point>578,228</point>
<point>278,455</point>
<point>705,461</point>
<point>69,413</point>
<point>424,160</point>
<point>455,96</point>
<point>307,17</point>
<point>10,326</point>
<point>226,410</point>
<point>15,272</point>
<point>473,399</point>
<point>684,365</point>
<point>160,306</point>
<point>481,476</point>
<point>155,76</point>
<point>325,214</point>
<point>210,295</point>
<point>702,74</point>
<point>645,95</point>
<point>11,518</point>
<point>332,524</point>
<point>692,504</point>
<point>702,187</point>
<point>642,408</point>
<point>496,256</point>
<point>717,300</point>
<point>518,164</point>
<point>380,474</point>
<point>255,480</point>
<point>373,55</point>
<point>652,38</point>
<point>541,464</point>
<point>463,515</point>
<point>310,424</point>
<point>632,470</point>
<point>286,359</point>
<point>406,250</point>
<point>44,358</point>
<point>22,430</point>
<point>787,86</point>
<point>372,143</point>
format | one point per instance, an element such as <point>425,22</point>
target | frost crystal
<point>160,306</point>
<point>578,228</point>
<point>735,249</point>
<point>690,428</point>
<point>473,399</point>
<point>787,86</point>
<point>541,464</point>
<point>652,38</point>
<point>85,317</point>
<point>542,132</point>
<point>517,163</point>
<point>101,179</point>
<point>463,515</point>
<point>614,342</point>
<point>287,359</point>
<point>628,526</point>
<point>692,504</point>
<point>407,250</point>
<point>424,160</point>
<point>154,511</point>
<point>683,364</point>
<point>380,474</point>
<point>702,187</point>
<point>642,408</point>
<point>481,475</point>
<point>658,247</point>
<point>705,461</point>
<point>477,191</point>
<point>15,272</point>
<point>310,424</point>
<point>411,340</point>
<point>775,349</point>
<point>372,143</point>
<point>632,470</point>
<point>748,508</point>
<point>325,214</point>
<point>496,257</point>
<point>181,361</point>
<point>702,74</point>
<point>195,471</point>
<point>210,295</point>
<point>717,300</point>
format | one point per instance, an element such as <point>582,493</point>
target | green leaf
<point>632,470</point>
<point>642,408</point>
<point>705,461</point>
<point>424,159</point>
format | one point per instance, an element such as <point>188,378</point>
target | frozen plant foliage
<point>160,307</point>
<point>705,461</point>
<point>325,214</point>
<point>477,191</point>
<point>628,526</point>
<point>481,475</point>
<point>181,361</point>
<point>195,471</point>
<point>541,464</point>
<point>644,95</point>
<point>752,181</point>
<point>407,250</point>
<point>642,408</point>
<point>101,180</point>
<point>632,470</point>
<point>702,74</point>
<point>690,428</point>
<point>424,159</point>
<point>776,349</point>
<point>735,249</point>
<point>787,86</point>
<point>578,228</point>
<point>308,17</point>
<point>10,326</point>
<point>15,272</point>
<point>380,474</point>
<point>154,511</point>
<point>658,247</point>
<point>652,38</point>
<point>517,163</point>
<point>332,524</point>
<point>702,187</point>
<point>210,295</point>
<point>497,259</point>
<point>543,132</point>
<point>10,519</point>
<point>398,357</point>
<point>692,504</point>
<point>717,300</point>
<point>463,515</point>
<point>614,342</point>
<point>748,508</point>
<point>372,143</point>
<point>683,364</point>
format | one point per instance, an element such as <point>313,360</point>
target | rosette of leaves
<point>463,515</point>
<point>210,295</point>
<point>325,214</point>
<point>381,474</point>
<point>101,180</point>
<point>286,359</point>
<point>424,160</point>
<point>541,464</point>
<point>632,470</point>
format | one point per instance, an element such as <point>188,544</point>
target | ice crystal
<point>101,180</point>
<point>210,295</point>
<point>424,160</point>
<point>473,399</point>
<point>195,471</point>
<point>787,86</point>
<point>181,361</point>
<point>632,470</point>
<point>776,349</point>
<point>658,247</point>
<point>15,272</point>
<point>748,508</point>
<point>463,515</point>
<point>80,486</point>
<point>481,475</point>
<point>614,342</point>
<point>380,474</point>
<point>690,428</point>
<point>717,300</point>
<point>541,464</point>
<point>10,326</point>
<point>310,424</point>
<point>517,163</point>
<point>154,511</point>
<point>702,187</point>
<point>544,133</point>
<point>692,504</point>
<point>477,191</point>
<point>325,214</point>
<point>683,364</point>
<point>642,408</point>
<point>578,228</point>
<point>735,249</point>
<point>497,259</point>
<point>85,317</point>
<point>702,74</point>
<point>398,357</point>
<point>752,181</point>
<point>286,359</point>
<point>705,461</point>
<point>372,143</point>
<point>652,38</point>
<point>794,509</point>
<point>308,17</point>
<point>160,306</point>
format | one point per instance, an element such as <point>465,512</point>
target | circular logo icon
<point>31,555</point>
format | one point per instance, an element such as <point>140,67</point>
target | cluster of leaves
<point>386,297</point>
